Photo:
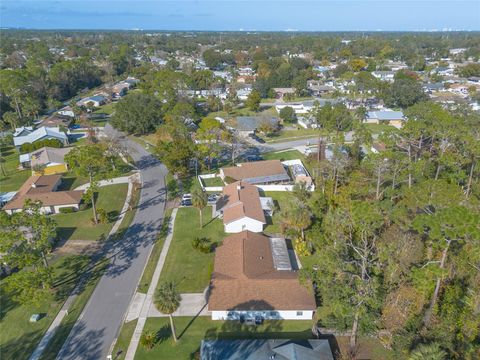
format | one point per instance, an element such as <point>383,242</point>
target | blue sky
<point>319,15</point>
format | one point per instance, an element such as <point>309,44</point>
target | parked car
<point>187,197</point>
<point>186,202</point>
<point>257,139</point>
<point>212,198</point>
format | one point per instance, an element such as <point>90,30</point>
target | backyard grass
<point>285,135</point>
<point>106,109</point>
<point>192,330</point>
<point>74,312</point>
<point>216,181</point>
<point>155,255</point>
<point>280,201</point>
<point>78,225</point>
<point>187,267</point>
<point>379,128</point>
<point>10,177</point>
<point>18,336</point>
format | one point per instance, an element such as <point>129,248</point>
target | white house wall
<point>267,315</point>
<point>243,224</point>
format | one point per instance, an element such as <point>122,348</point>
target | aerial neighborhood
<point>239,195</point>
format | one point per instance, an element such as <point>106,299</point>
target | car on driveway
<point>212,198</point>
<point>186,202</point>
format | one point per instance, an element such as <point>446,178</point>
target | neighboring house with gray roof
<point>41,133</point>
<point>264,349</point>
<point>247,125</point>
<point>393,118</point>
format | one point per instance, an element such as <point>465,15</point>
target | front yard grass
<point>187,267</point>
<point>192,330</point>
<point>74,312</point>
<point>283,155</point>
<point>78,225</point>
<point>10,177</point>
<point>18,336</point>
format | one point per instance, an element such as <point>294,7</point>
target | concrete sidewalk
<point>147,302</point>
<point>117,180</point>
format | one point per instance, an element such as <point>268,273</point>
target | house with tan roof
<point>50,160</point>
<point>241,208</point>
<point>44,188</point>
<point>254,276</point>
<point>257,172</point>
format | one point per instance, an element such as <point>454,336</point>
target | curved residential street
<point>97,326</point>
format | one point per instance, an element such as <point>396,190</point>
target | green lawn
<point>155,255</point>
<point>283,155</point>
<point>74,312</point>
<point>187,267</point>
<point>78,225</point>
<point>106,109</point>
<point>379,128</point>
<point>10,177</point>
<point>192,330</point>
<point>18,337</point>
<point>123,340</point>
<point>285,135</point>
<point>216,181</point>
<point>280,200</point>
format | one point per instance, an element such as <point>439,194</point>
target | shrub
<point>229,180</point>
<point>67,210</point>
<point>148,339</point>
<point>102,216</point>
<point>203,245</point>
<point>301,248</point>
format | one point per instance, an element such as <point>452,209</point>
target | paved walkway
<point>191,305</point>
<point>117,180</point>
<point>73,296</point>
<point>148,299</point>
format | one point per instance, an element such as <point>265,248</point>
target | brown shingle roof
<point>40,188</point>
<point>245,278</point>
<point>254,171</point>
<point>241,199</point>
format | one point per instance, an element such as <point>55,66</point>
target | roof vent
<point>34,185</point>
<point>239,187</point>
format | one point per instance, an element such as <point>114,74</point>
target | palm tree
<point>299,217</point>
<point>167,300</point>
<point>199,200</point>
<point>148,339</point>
<point>430,351</point>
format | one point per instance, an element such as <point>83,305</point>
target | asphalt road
<point>98,325</point>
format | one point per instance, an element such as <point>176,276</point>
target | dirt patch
<point>79,247</point>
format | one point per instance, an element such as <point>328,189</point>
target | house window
<point>299,313</point>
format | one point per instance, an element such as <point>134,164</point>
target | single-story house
<point>394,118</point>
<point>119,89</point>
<point>253,277</point>
<point>281,92</point>
<point>44,188</point>
<point>55,121</point>
<point>247,125</point>
<point>96,101</point>
<point>304,107</point>
<point>317,88</point>
<point>52,160</point>
<point>22,131</point>
<point>384,75</point>
<point>241,208</point>
<point>257,172</point>
<point>41,133</point>
<point>265,349</point>
<point>66,111</point>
